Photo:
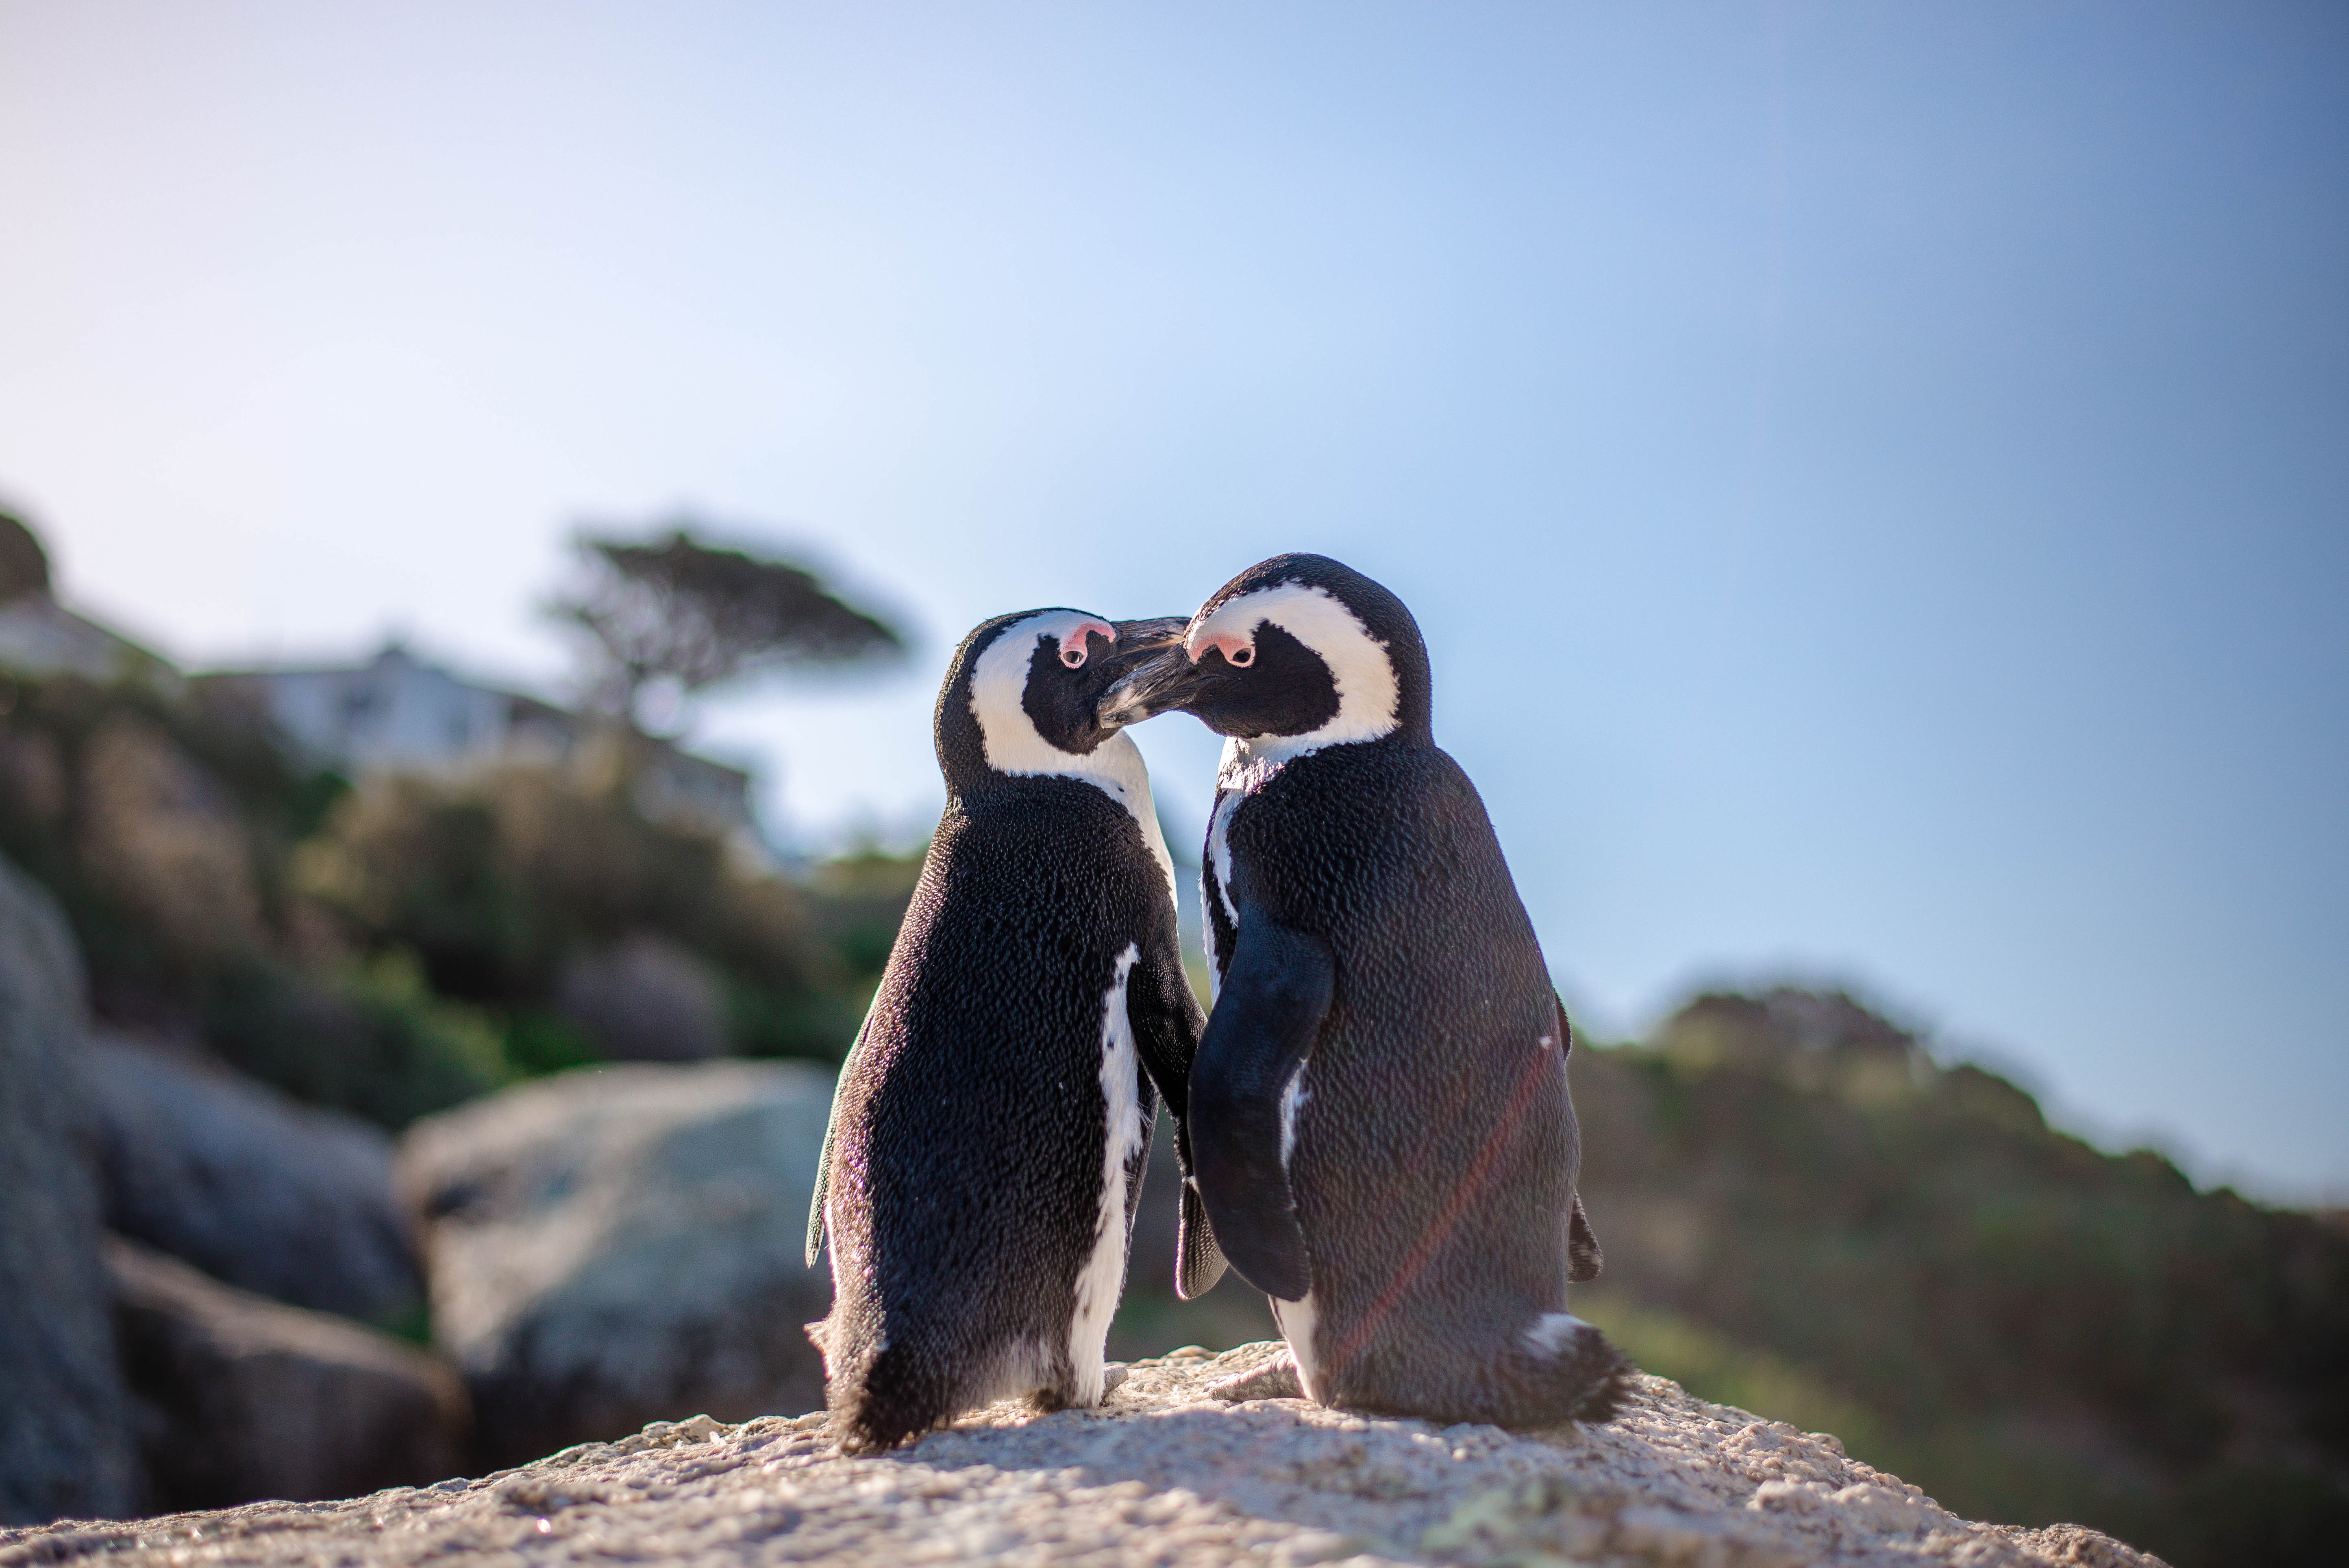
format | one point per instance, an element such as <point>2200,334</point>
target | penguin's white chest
<point>1245,769</point>
<point>1102,1277</point>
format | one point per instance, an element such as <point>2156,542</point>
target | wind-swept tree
<point>681,613</point>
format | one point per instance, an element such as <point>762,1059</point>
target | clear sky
<point>1874,477</point>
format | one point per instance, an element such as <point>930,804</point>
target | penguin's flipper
<point>815,1236</point>
<point>823,1180</point>
<point>1274,995</point>
<point>1166,1021</point>
<point>1583,1258</point>
<point>1199,1261</point>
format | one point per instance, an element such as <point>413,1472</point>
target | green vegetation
<point>1713,1367</point>
<point>394,948</point>
<point>2033,1330</point>
<point>368,1039</point>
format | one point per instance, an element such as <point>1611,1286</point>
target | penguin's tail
<point>1567,1371</point>
<point>897,1397</point>
<point>878,1394</point>
<point>1556,1369</point>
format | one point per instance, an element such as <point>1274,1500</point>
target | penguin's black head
<point>1299,650</point>
<point>1024,696</point>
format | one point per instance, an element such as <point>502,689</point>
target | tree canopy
<point>676,609</point>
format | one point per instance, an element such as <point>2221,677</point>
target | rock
<point>646,1000</point>
<point>243,1399</point>
<point>65,1433</point>
<point>622,1243</point>
<point>258,1191</point>
<point>1161,1475</point>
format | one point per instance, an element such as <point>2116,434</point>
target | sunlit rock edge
<point>1162,1474</point>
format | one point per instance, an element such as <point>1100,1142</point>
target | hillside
<point>1796,1197</point>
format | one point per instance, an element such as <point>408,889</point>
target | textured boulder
<point>65,1435</point>
<point>291,1202</point>
<point>242,1398</point>
<point>1162,1476</point>
<point>623,1244</point>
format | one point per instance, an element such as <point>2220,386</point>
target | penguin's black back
<point>1428,1064</point>
<point>968,1158</point>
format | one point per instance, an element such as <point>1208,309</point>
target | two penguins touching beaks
<point>1372,1125</point>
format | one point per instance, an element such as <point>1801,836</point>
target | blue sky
<point>1875,479</point>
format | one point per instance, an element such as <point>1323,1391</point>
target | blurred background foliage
<point>1812,1218</point>
<point>394,948</point>
<point>394,945</point>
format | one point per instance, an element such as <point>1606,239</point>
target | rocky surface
<point>65,1445</point>
<point>623,1244</point>
<point>1163,1475</point>
<point>241,1397</point>
<point>258,1191</point>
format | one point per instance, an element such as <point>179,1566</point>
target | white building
<point>397,715</point>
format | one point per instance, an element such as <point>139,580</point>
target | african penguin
<point>1380,1123</point>
<point>992,1123</point>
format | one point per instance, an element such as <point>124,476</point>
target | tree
<point>678,613</point>
<point>24,565</point>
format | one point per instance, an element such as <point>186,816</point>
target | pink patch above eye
<point>1073,640</point>
<point>1229,644</point>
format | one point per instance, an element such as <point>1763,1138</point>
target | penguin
<point>993,1120</point>
<point>1380,1126</point>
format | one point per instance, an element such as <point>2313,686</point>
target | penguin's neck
<point>1115,769</point>
<point>1252,761</point>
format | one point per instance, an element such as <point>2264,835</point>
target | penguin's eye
<point>1073,657</point>
<point>1242,655</point>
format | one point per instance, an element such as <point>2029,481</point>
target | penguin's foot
<point>1276,1379</point>
<point>1112,1373</point>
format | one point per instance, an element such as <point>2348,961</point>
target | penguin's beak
<point>1163,678</point>
<point>1138,643</point>
<point>1149,636</point>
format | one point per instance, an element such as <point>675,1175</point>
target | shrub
<point>373,1042</point>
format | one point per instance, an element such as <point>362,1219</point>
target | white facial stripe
<point>1000,681</point>
<point>1368,692</point>
<point>1014,746</point>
